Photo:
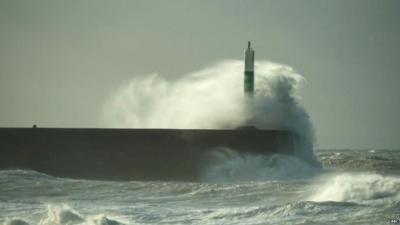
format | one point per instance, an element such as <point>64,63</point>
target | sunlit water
<point>354,187</point>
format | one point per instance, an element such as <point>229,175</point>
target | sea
<point>350,187</point>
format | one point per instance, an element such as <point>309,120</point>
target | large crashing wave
<point>213,98</point>
<point>358,188</point>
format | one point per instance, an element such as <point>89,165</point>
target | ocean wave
<point>298,212</point>
<point>16,222</point>
<point>22,174</point>
<point>380,161</point>
<point>65,215</point>
<point>232,166</point>
<point>359,188</point>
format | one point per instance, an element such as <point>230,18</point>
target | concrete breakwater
<point>131,154</point>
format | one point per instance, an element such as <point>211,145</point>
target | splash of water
<point>213,98</point>
<point>358,188</point>
<point>61,215</point>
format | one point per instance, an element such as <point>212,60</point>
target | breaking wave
<point>359,188</point>
<point>65,215</point>
<point>213,98</point>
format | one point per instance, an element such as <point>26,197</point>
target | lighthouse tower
<point>249,71</point>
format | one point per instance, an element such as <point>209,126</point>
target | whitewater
<point>309,187</point>
<point>366,191</point>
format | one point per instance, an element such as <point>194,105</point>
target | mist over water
<point>213,98</point>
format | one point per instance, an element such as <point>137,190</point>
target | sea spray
<point>206,99</point>
<point>277,105</point>
<point>62,214</point>
<point>213,98</point>
<point>358,188</point>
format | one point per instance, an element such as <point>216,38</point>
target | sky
<point>60,60</point>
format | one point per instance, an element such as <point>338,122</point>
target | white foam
<point>65,215</point>
<point>358,188</point>
<point>61,215</point>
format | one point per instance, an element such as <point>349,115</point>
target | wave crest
<point>359,188</point>
<point>65,215</point>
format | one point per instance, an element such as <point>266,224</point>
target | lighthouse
<point>249,71</point>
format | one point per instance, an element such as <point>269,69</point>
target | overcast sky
<point>60,60</point>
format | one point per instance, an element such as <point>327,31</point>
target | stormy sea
<point>306,187</point>
<point>352,187</point>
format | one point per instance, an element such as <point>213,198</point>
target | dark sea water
<point>352,187</point>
